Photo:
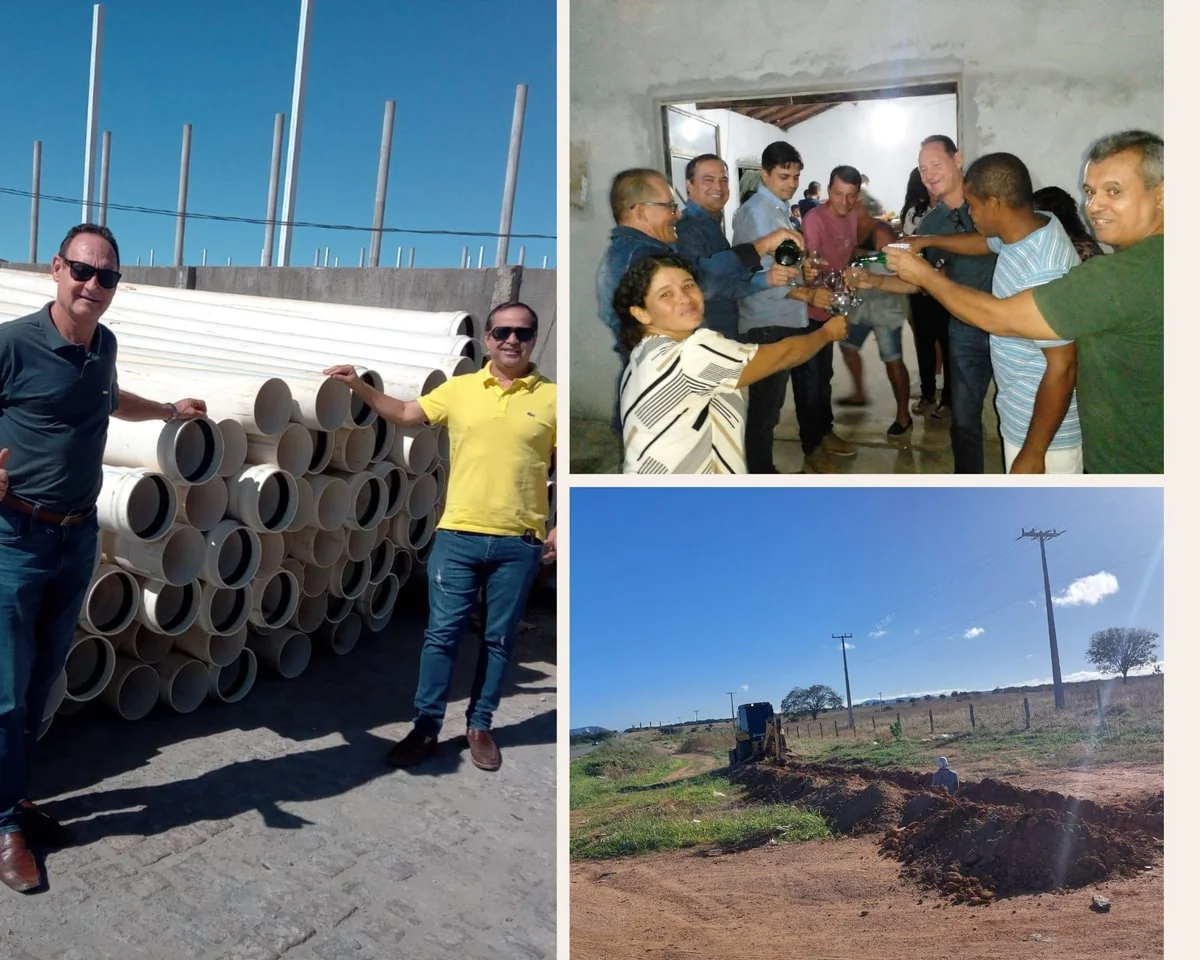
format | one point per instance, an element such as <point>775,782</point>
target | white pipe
<point>111,601</point>
<point>340,636</point>
<point>232,555</point>
<point>295,568</point>
<point>285,651</point>
<point>274,549</point>
<point>322,450</point>
<point>331,496</point>
<point>382,558</point>
<point>275,599</point>
<point>169,609</point>
<point>291,450</point>
<point>44,727</point>
<point>183,682</point>
<point>422,496</point>
<point>414,449</point>
<point>421,531</point>
<point>316,546</point>
<point>184,451</point>
<point>223,610</point>
<point>177,558</point>
<point>377,624</point>
<point>234,458</point>
<point>399,529</point>
<point>202,505</point>
<point>440,477</point>
<point>89,666</point>
<point>317,401</point>
<point>263,498</point>
<point>352,448</point>
<point>379,598</point>
<point>443,441</point>
<point>69,708</point>
<point>316,579</point>
<point>359,543</point>
<point>444,323</point>
<point>382,531</point>
<point>56,696</point>
<point>368,499</point>
<point>395,481</point>
<point>135,502</point>
<point>385,437</point>
<point>231,683</point>
<point>310,613</point>
<point>133,689</point>
<point>218,650</point>
<point>306,507</point>
<point>262,406</point>
<point>422,554</point>
<point>141,643</point>
<point>339,608</point>
<point>402,566</point>
<point>348,578</point>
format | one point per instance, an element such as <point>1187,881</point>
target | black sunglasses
<point>500,334</point>
<point>83,272</point>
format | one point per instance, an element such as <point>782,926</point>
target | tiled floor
<point>926,449</point>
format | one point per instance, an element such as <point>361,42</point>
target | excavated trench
<point>991,840</point>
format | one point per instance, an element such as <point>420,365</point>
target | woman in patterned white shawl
<point>683,401</point>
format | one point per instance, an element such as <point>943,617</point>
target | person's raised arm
<point>405,413</point>
<point>962,244</point>
<point>791,351</point>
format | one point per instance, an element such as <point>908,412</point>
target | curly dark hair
<point>632,290</point>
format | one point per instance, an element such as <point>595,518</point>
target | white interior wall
<point>851,133</point>
<point>1044,98</point>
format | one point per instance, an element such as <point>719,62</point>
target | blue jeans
<point>44,575</point>
<point>765,401</point>
<point>460,564</point>
<point>971,371</point>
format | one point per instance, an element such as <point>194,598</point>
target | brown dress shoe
<point>18,869</point>
<point>418,746</point>
<point>484,752</point>
<point>41,829</point>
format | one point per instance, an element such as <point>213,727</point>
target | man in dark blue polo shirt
<point>58,387</point>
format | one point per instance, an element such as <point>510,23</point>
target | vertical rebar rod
<point>273,191</point>
<point>510,174</point>
<point>381,180</point>
<point>35,201</point>
<point>185,159</point>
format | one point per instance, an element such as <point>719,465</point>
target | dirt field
<point>912,875</point>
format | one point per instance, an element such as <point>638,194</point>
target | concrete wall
<point>1040,79</point>
<point>475,291</point>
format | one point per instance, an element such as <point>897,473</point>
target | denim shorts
<point>888,339</point>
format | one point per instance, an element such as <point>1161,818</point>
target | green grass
<point>620,806</point>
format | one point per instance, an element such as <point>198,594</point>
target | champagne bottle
<point>788,253</point>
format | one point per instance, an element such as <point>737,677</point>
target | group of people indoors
<point>997,280</point>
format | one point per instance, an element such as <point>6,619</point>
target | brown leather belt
<point>46,516</point>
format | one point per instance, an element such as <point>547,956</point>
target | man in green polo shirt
<point>1111,306</point>
<point>58,387</point>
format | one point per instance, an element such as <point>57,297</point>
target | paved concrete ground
<point>273,828</point>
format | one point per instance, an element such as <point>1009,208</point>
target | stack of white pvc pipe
<point>290,517</point>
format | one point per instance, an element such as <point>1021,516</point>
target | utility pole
<point>732,712</point>
<point>1041,536</point>
<point>697,713</point>
<point>846,668</point>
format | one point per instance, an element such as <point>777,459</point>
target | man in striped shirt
<point>1035,379</point>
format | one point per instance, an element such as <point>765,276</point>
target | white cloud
<point>744,687</point>
<point>881,626</point>
<point>1029,656</point>
<point>1081,676</point>
<point>972,633</point>
<point>1033,603</point>
<point>849,646</point>
<point>1088,590</point>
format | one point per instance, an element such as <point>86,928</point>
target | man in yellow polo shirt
<point>503,435</point>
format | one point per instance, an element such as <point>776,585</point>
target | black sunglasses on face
<point>83,272</point>
<point>500,334</point>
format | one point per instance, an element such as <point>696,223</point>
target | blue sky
<point>226,67</point>
<point>679,595</point>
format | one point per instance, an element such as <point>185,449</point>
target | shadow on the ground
<point>351,695</point>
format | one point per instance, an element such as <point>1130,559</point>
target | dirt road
<point>886,887</point>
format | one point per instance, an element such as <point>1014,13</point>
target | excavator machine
<point>758,735</point>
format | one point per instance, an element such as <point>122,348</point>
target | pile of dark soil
<point>849,804</point>
<point>974,852</point>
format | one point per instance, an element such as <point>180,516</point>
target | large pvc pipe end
<point>169,609</point>
<point>233,555</point>
<point>233,458</point>
<point>331,501</point>
<point>370,503</point>
<point>348,579</point>
<point>275,599</point>
<point>378,599</point>
<point>443,442</point>
<point>341,636</point>
<point>272,407</point>
<point>263,497</point>
<point>402,566</point>
<point>202,505</point>
<point>224,610</point>
<point>322,450</point>
<point>310,613</point>
<point>286,651</point>
<point>339,608</point>
<point>291,450</point>
<point>192,449</point>
<point>422,495</point>
<point>90,665</point>
<point>352,448</point>
<point>361,413</point>
<point>111,602</point>
<point>332,405</point>
<point>133,690</point>
<point>183,682</point>
<point>420,531</point>
<point>382,557</point>
<point>137,504</point>
<point>316,579</point>
<point>232,682</point>
<point>415,449</point>
<point>384,432</point>
<point>306,506</point>
<point>395,482</point>
<point>359,543</point>
<point>56,696</point>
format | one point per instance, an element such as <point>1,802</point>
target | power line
<point>261,221</point>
